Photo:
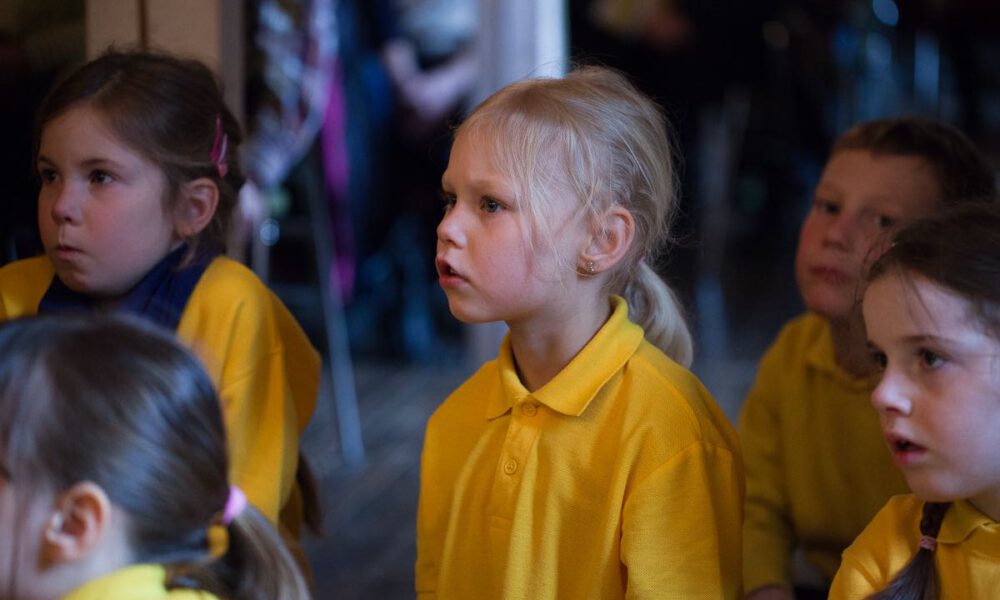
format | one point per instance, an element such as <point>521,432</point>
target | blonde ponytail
<point>655,307</point>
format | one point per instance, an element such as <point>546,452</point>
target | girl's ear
<point>609,241</point>
<point>194,211</point>
<point>80,519</point>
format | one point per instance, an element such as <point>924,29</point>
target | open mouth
<point>445,270</point>
<point>904,450</point>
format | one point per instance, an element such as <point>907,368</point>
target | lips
<point>448,277</point>
<point>830,275</point>
<point>904,451</point>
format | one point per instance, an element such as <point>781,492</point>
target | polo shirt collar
<point>573,388</point>
<point>962,519</point>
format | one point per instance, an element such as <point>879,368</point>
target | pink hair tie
<point>219,147</point>
<point>235,504</point>
<point>928,543</point>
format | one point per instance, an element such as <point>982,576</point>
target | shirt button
<point>529,409</point>
<point>510,467</point>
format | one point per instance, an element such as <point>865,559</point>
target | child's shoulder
<point>483,385</point>
<point>665,392</point>
<point>228,282</point>
<point>800,338</point>
<point>38,268</point>
<point>802,332</point>
<point>229,290</point>
<point>894,530</point>
<point>22,285</point>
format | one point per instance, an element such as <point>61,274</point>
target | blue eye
<point>490,205</point>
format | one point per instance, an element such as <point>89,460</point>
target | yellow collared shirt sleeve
<point>681,527</point>
<point>767,533</point>
<point>267,374</point>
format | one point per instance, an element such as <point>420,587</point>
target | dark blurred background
<point>343,222</point>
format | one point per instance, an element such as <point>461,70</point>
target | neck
<point>542,351</point>
<point>850,347</point>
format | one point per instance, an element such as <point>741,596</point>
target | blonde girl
<point>586,461</point>
<point>932,314</point>
<point>114,473</point>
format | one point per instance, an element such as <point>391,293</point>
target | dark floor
<point>370,512</point>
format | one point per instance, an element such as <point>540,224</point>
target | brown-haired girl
<point>932,313</point>
<point>139,166</point>
<point>114,472</point>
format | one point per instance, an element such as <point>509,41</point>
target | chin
<point>834,309</point>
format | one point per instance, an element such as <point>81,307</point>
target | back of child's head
<point>122,405</point>
<point>168,109</point>
<point>962,171</point>
<point>593,135</point>
<point>957,248</point>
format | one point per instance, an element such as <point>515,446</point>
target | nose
<point>890,396</point>
<point>450,230</point>
<point>64,203</point>
<point>840,231</point>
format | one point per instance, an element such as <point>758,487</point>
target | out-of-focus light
<point>886,11</point>
<point>879,50</point>
<point>775,34</point>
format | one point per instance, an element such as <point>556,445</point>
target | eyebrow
<point>87,163</point>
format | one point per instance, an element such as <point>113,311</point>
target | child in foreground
<point>138,161</point>
<point>586,461</point>
<point>113,473</point>
<point>817,470</point>
<point>932,312</point>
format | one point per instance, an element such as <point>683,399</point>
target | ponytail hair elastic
<point>928,543</point>
<point>220,146</point>
<point>235,504</point>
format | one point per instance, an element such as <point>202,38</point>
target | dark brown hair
<point>958,248</point>
<point>166,109</point>
<point>118,403</point>
<point>962,171</point>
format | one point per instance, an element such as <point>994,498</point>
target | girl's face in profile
<point>488,268</point>
<point>939,397</point>
<point>101,207</point>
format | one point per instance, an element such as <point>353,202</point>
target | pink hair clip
<point>219,147</point>
<point>235,504</point>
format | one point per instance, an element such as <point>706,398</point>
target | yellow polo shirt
<point>139,582</point>
<point>967,558</point>
<point>817,466</point>
<point>618,478</point>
